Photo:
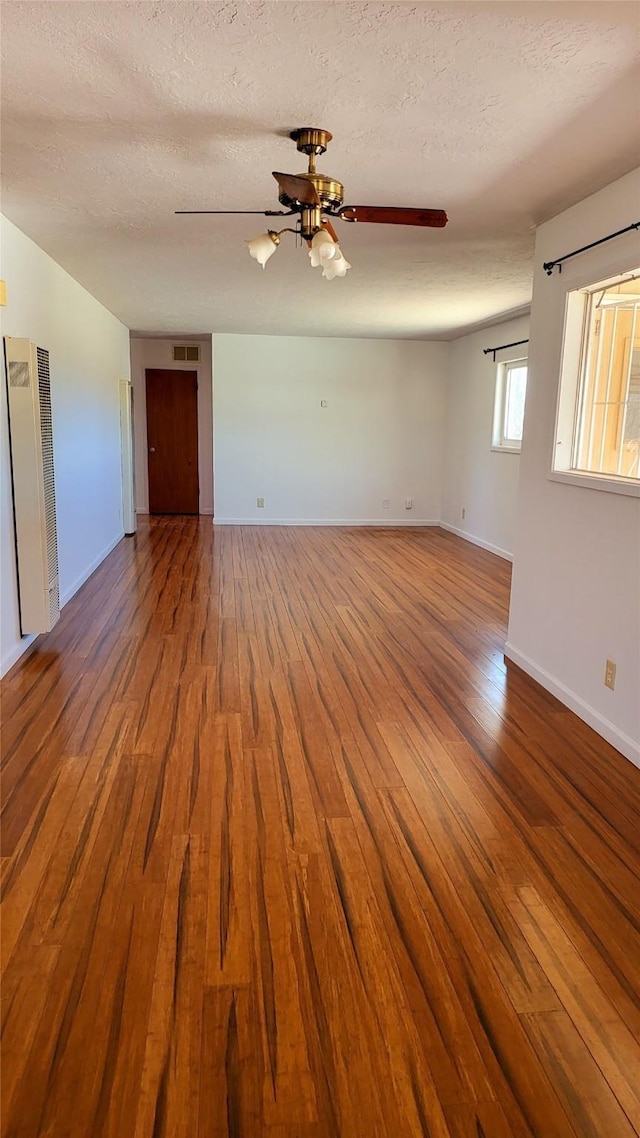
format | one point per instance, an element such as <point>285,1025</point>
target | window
<point>508,415</point>
<point>598,426</point>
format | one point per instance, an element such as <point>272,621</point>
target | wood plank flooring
<point>288,853</point>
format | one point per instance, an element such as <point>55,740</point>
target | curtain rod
<point>515,344</point>
<point>549,266</point>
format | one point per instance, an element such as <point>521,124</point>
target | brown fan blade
<point>295,188</point>
<point>394,215</point>
<point>257,212</point>
<point>330,230</point>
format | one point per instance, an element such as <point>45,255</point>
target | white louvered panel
<point>46,443</point>
<point>128,461</point>
<point>33,483</point>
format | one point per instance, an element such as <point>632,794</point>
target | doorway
<point>172,441</point>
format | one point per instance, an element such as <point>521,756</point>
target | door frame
<point>154,351</point>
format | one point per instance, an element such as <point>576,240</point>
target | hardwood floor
<point>288,853</point>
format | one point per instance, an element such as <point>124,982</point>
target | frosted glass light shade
<point>323,249</point>
<point>337,267</point>
<point>263,247</point>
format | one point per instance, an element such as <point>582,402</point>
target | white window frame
<point>499,441</point>
<point>574,330</point>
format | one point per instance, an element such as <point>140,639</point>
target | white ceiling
<point>502,113</point>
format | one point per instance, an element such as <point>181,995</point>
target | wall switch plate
<point>610,674</point>
<point>324,402</point>
<point>386,503</point>
<point>408,503</point>
<point>260,503</point>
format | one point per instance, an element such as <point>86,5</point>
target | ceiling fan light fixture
<point>323,249</point>
<point>337,266</point>
<point>264,246</point>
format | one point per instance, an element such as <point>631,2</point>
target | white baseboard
<point>13,655</point>
<point>377,523</point>
<point>478,541</point>
<point>79,582</point>
<point>618,739</point>
<point>201,513</point>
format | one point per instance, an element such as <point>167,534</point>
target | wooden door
<point>172,441</point>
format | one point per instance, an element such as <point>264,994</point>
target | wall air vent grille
<point>186,353</point>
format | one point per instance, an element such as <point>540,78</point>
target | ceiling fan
<point>316,199</point>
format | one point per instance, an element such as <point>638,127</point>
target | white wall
<point>89,355</point>
<point>478,479</point>
<point>156,352</point>
<point>380,436</point>
<point>576,584</point>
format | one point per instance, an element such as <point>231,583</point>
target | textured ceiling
<point>116,114</point>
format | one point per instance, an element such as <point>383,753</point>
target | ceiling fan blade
<point>297,189</point>
<point>394,215</point>
<point>260,212</point>
<point>330,230</point>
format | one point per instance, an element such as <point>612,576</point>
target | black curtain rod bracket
<point>501,347</point>
<point>549,266</point>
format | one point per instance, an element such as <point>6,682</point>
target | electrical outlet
<point>408,503</point>
<point>324,402</point>
<point>610,674</point>
<point>386,502</point>
<point>260,503</point>
<point>464,513</point>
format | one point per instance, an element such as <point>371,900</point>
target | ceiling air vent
<point>186,353</point>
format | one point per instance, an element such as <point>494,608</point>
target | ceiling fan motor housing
<point>330,192</point>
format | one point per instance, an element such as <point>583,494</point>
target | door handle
<point>152,450</point>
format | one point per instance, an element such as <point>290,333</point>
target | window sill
<point>505,450</point>
<point>597,482</point>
